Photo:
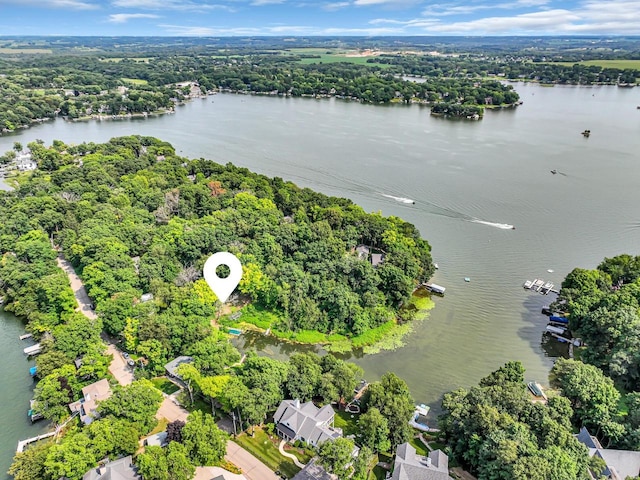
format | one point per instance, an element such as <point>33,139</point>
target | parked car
<point>131,363</point>
<point>125,354</point>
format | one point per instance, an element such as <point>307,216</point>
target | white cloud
<point>335,5</point>
<point>587,17</point>
<point>260,3</point>
<point>64,4</point>
<point>363,3</point>
<point>125,17</point>
<point>187,5</point>
<point>278,30</point>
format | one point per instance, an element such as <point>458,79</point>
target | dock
<point>540,286</point>
<point>23,443</point>
<point>25,336</point>
<point>33,350</point>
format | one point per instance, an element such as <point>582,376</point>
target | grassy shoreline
<point>388,336</point>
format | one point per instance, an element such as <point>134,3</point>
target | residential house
<point>410,466</point>
<point>305,422</point>
<point>122,469</point>
<point>87,406</point>
<point>172,366</point>
<point>314,471</point>
<point>620,463</point>
<point>366,253</point>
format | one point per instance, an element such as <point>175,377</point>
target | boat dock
<point>23,443</point>
<point>25,336</point>
<point>33,350</point>
<point>540,286</point>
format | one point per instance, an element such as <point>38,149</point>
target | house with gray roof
<point>620,463</point>
<point>305,422</point>
<point>314,471</point>
<point>173,365</point>
<point>410,466</point>
<point>121,469</point>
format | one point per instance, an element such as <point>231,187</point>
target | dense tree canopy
<point>498,433</point>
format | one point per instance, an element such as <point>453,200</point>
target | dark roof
<point>313,471</point>
<point>286,430</point>
<point>585,437</point>
<point>173,364</point>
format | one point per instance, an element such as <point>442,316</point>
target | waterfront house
<point>87,406</point>
<point>410,466</point>
<point>621,464</point>
<point>305,422</point>
<point>121,469</point>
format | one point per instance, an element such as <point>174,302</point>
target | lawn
<point>164,385</point>
<point>335,58</point>
<point>421,448</point>
<point>344,421</point>
<point>134,81</point>
<point>263,448</point>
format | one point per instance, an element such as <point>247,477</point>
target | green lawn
<point>134,81</point>
<point>421,448</point>
<point>164,385</point>
<point>344,421</point>
<point>263,448</point>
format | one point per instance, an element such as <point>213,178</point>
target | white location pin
<point>222,287</point>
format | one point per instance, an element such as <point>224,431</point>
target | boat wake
<point>399,199</point>
<point>503,226</point>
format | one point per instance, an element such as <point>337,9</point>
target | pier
<point>33,350</point>
<point>23,443</point>
<point>540,286</point>
<point>25,336</point>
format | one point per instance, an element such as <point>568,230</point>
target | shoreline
<point>386,337</point>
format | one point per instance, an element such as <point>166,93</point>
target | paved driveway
<point>118,367</point>
<point>209,473</point>
<point>252,468</point>
<point>171,410</point>
<point>84,302</point>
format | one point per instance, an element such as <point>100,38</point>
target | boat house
<point>305,422</point>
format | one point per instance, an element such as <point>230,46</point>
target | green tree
<point>71,458</point>
<point>204,441</point>
<point>374,430</point>
<point>178,463</point>
<point>391,397</point>
<point>337,456</point>
<point>136,403</point>
<point>30,464</point>
<point>153,464</point>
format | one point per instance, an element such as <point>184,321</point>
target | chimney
<point>296,403</point>
<point>428,461</point>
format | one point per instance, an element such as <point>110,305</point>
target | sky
<point>319,17</point>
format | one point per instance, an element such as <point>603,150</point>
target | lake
<point>16,391</point>
<point>469,181</point>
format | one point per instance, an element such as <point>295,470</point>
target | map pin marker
<point>222,287</point>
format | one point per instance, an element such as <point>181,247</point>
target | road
<point>118,366</point>
<point>252,468</point>
<point>83,300</point>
